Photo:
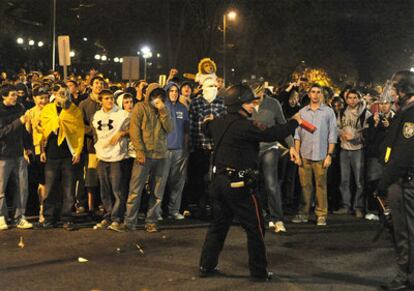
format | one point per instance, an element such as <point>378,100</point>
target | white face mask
<point>210,93</point>
<point>256,108</point>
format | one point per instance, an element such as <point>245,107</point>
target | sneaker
<point>69,226</point>
<point>141,216</point>
<point>280,226</point>
<point>3,224</point>
<point>271,224</point>
<point>115,226</point>
<point>186,213</point>
<point>342,210</point>
<point>204,273</point>
<point>359,213</point>
<point>177,216</point>
<point>127,227</point>
<point>160,218</point>
<point>371,216</point>
<point>265,278</point>
<point>151,227</point>
<point>321,221</point>
<point>300,218</point>
<point>80,210</point>
<point>102,225</point>
<point>22,223</point>
<point>46,225</point>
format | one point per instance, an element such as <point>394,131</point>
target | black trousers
<point>198,178</point>
<point>60,189</point>
<point>401,196</point>
<point>227,203</point>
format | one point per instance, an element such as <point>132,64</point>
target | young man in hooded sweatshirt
<point>111,125</point>
<point>14,141</point>
<point>352,122</point>
<point>176,163</point>
<point>149,126</point>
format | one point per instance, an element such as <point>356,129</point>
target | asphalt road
<point>340,256</point>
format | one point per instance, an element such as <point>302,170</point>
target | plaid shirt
<point>199,109</point>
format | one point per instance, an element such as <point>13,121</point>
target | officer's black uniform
<point>397,181</point>
<point>237,146</point>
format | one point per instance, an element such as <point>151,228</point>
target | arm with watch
<point>328,160</point>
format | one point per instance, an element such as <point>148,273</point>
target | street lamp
<point>97,57</point>
<point>40,44</point>
<point>31,42</point>
<point>72,54</point>
<point>146,53</point>
<point>231,15</point>
<point>104,58</point>
<point>20,40</point>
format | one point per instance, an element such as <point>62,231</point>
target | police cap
<point>236,95</point>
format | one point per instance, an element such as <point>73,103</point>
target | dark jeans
<point>198,177</point>
<point>81,195</point>
<point>227,203</point>
<point>269,161</point>
<point>112,194</point>
<point>401,197</point>
<point>60,189</point>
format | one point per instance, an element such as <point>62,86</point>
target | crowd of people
<point>140,151</point>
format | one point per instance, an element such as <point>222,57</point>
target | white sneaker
<point>280,226</point>
<point>23,223</point>
<point>3,224</point>
<point>371,216</point>
<point>178,216</point>
<point>271,224</point>
<point>160,218</point>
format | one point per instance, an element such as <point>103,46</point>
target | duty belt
<point>237,177</point>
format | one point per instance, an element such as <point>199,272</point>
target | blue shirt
<point>180,120</point>
<point>314,146</point>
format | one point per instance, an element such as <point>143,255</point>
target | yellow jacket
<point>69,123</point>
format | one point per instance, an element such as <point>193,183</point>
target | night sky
<point>352,40</point>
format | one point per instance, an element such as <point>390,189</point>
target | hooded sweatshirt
<point>106,125</point>
<point>354,121</point>
<point>150,127</point>
<point>13,136</point>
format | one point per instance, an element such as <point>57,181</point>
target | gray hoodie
<point>270,113</point>
<point>354,121</point>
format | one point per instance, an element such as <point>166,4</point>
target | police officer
<point>235,160</point>
<point>397,179</point>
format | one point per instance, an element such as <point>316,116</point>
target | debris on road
<point>21,243</point>
<point>82,260</point>
<point>139,249</point>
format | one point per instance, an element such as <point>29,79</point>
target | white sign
<point>130,68</point>
<point>64,50</point>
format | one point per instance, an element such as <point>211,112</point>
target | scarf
<point>68,124</point>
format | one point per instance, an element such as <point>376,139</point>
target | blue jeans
<point>153,169</point>
<point>352,161</point>
<point>110,181</point>
<point>175,172</point>
<point>14,169</point>
<point>269,162</point>
<point>60,189</point>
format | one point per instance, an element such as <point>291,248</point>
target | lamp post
<point>231,16</point>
